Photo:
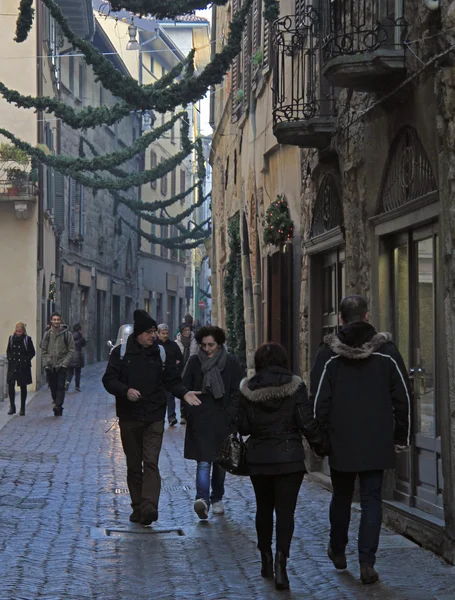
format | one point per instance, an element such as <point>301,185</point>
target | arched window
<point>328,210</point>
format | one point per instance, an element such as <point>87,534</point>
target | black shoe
<point>267,564</point>
<point>368,574</point>
<point>339,560</point>
<point>281,576</point>
<point>135,516</point>
<point>148,516</point>
<point>172,422</point>
<point>58,411</point>
<point>12,409</point>
<point>22,412</point>
<point>78,389</point>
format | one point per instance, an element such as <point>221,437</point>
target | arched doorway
<point>409,306</point>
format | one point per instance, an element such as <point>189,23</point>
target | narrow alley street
<point>65,532</point>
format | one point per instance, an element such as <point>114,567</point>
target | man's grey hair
<point>162,327</point>
<point>353,309</point>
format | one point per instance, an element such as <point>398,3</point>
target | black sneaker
<point>148,516</point>
<point>135,516</point>
<point>368,574</point>
<point>339,560</point>
<point>172,422</point>
<point>58,411</point>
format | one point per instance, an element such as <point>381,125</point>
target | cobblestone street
<point>65,532</point>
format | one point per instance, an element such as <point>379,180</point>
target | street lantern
<point>132,44</point>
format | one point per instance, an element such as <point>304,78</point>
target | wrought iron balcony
<point>303,100</point>
<point>363,45</point>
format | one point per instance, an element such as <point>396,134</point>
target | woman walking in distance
<point>217,375</point>
<point>271,413</point>
<point>188,347</point>
<point>19,352</point>
<point>77,363</point>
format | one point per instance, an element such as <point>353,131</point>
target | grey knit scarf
<point>211,369</point>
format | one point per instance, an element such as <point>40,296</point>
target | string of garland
<point>271,10</point>
<point>173,220</point>
<point>278,227</point>
<point>233,293</point>
<point>24,20</point>
<point>88,117</point>
<point>187,91</point>
<point>100,163</point>
<point>163,8</point>
<point>172,243</point>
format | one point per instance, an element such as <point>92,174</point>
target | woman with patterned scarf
<point>217,375</point>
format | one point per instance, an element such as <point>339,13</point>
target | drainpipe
<point>39,85</point>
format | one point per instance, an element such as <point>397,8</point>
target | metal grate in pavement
<point>165,488</point>
<point>100,533</point>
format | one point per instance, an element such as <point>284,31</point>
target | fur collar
<point>337,346</point>
<point>272,392</point>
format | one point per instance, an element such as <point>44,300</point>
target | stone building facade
<point>365,90</point>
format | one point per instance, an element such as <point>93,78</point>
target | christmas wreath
<point>278,226</point>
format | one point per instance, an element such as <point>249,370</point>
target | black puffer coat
<point>271,413</point>
<point>78,356</point>
<point>20,351</point>
<point>211,422</point>
<point>141,369</point>
<point>360,389</point>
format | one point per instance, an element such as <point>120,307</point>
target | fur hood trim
<point>361,352</point>
<point>270,393</point>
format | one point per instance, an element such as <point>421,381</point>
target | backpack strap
<point>162,355</point>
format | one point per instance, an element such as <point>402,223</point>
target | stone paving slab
<point>58,484</point>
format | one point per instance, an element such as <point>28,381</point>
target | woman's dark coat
<point>271,412</point>
<point>78,356</point>
<point>20,353</point>
<point>211,422</point>
<point>141,369</point>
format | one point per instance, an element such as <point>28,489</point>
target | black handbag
<point>232,455</point>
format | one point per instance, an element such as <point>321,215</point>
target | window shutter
<point>256,33</point>
<point>59,216</point>
<point>235,71</point>
<point>82,212</point>
<point>152,165</point>
<point>266,42</point>
<point>246,63</point>
<point>72,209</point>
<point>173,182</point>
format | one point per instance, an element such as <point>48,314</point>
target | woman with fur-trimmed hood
<point>271,412</point>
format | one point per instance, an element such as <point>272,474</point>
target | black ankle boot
<point>281,577</point>
<point>267,564</point>
<point>12,409</point>
<point>22,411</point>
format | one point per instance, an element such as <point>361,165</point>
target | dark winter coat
<point>78,356</point>
<point>271,413</point>
<point>19,352</point>
<point>360,390</point>
<point>211,422</point>
<point>141,369</point>
<point>173,353</point>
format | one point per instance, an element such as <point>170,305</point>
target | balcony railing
<point>303,100</point>
<point>363,42</point>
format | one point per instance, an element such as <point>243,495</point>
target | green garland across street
<point>173,243</point>
<point>173,220</point>
<point>24,20</point>
<point>163,8</point>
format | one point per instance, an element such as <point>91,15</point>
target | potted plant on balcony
<point>14,165</point>
<point>17,179</point>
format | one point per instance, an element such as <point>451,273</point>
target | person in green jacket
<point>57,349</point>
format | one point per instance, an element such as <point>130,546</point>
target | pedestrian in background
<point>360,392</point>
<point>19,352</point>
<point>271,413</point>
<point>188,347</point>
<point>138,379</point>
<point>174,355</point>
<point>57,349</point>
<point>77,364</point>
<point>217,375</point>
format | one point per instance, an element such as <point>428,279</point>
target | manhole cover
<point>104,533</point>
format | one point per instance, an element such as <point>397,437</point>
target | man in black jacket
<point>173,354</point>
<point>137,377</point>
<point>360,394</point>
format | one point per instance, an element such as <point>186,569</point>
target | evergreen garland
<point>163,9</point>
<point>278,226</point>
<point>173,243</point>
<point>103,163</point>
<point>24,20</point>
<point>172,220</point>
<point>233,294</point>
<point>187,91</point>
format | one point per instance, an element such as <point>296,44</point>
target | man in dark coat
<point>174,355</point>
<point>360,393</point>
<point>137,377</point>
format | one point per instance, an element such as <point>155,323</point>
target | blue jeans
<point>371,516</point>
<point>203,482</point>
<point>170,406</point>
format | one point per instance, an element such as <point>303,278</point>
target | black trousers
<point>76,371</point>
<point>12,394</point>
<point>276,493</point>
<point>142,445</point>
<point>57,380</point>
<point>371,515</point>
